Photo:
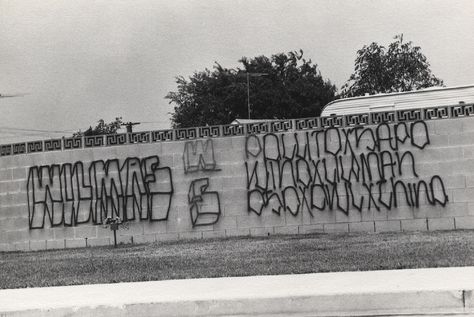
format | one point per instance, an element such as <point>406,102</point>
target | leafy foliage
<point>401,67</point>
<point>102,128</point>
<point>281,86</point>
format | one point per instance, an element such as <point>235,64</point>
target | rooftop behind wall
<point>407,100</point>
<point>386,171</point>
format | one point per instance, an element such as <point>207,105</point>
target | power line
<point>13,133</point>
<point>164,121</point>
<point>36,130</point>
<point>13,95</point>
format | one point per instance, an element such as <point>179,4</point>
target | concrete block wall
<point>263,184</point>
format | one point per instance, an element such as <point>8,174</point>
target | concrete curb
<point>444,291</point>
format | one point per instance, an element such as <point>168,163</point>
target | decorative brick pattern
<point>93,141</point>
<point>35,146</point>
<point>116,139</point>
<point>351,120</point>
<point>53,145</point>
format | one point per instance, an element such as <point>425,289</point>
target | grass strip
<point>247,256</point>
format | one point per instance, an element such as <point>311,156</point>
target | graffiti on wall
<point>204,205</point>
<point>71,194</point>
<point>199,156</point>
<point>343,169</point>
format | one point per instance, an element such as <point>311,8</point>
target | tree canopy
<point>102,128</point>
<point>400,67</point>
<point>282,86</point>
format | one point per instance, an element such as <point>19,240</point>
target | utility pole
<point>129,125</point>
<point>248,75</point>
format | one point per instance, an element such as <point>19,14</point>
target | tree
<point>401,67</point>
<point>281,86</point>
<point>101,128</point>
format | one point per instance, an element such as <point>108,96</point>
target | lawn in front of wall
<point>237,257</point>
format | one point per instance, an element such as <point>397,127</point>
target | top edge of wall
<point>242,129</point>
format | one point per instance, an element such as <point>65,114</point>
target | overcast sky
<point>80,61</point>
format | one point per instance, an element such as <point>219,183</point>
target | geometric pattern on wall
<point>257,127</point>
<point>209,132</point>
<point>382,117</point>
<point>19,148</point>
<point>162,135</point>
<point>409,115</point>
<point>274,126</point>
<point>356,119</point>
<point>332,122</point>
<point>72,143</point>
<point>35,146</point>
<point>307,123</point>
<point>436,113</point>
<point>93,141</point>
<point>281,126</point>
<point>52,145</point>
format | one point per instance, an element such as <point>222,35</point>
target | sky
<point>80,61</point>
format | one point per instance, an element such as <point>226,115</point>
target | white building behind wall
<point>430,97</point>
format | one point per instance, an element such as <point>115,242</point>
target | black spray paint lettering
<point>204,205</point>
<point>71,194</point>
<point>339,169</point>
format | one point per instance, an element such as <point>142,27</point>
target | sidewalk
<point>374,293</point>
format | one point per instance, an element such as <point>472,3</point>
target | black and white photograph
<point>306,158</point>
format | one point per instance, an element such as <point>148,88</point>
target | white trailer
<point>426,98</point>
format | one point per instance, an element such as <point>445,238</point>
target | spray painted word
<point>343,169</point>
<point>72,194</point>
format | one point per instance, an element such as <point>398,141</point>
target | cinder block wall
<point>403,176</point>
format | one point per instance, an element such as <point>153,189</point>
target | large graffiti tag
<point>204,205</point>
<point>72,194</point>
<point>343,169</point>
